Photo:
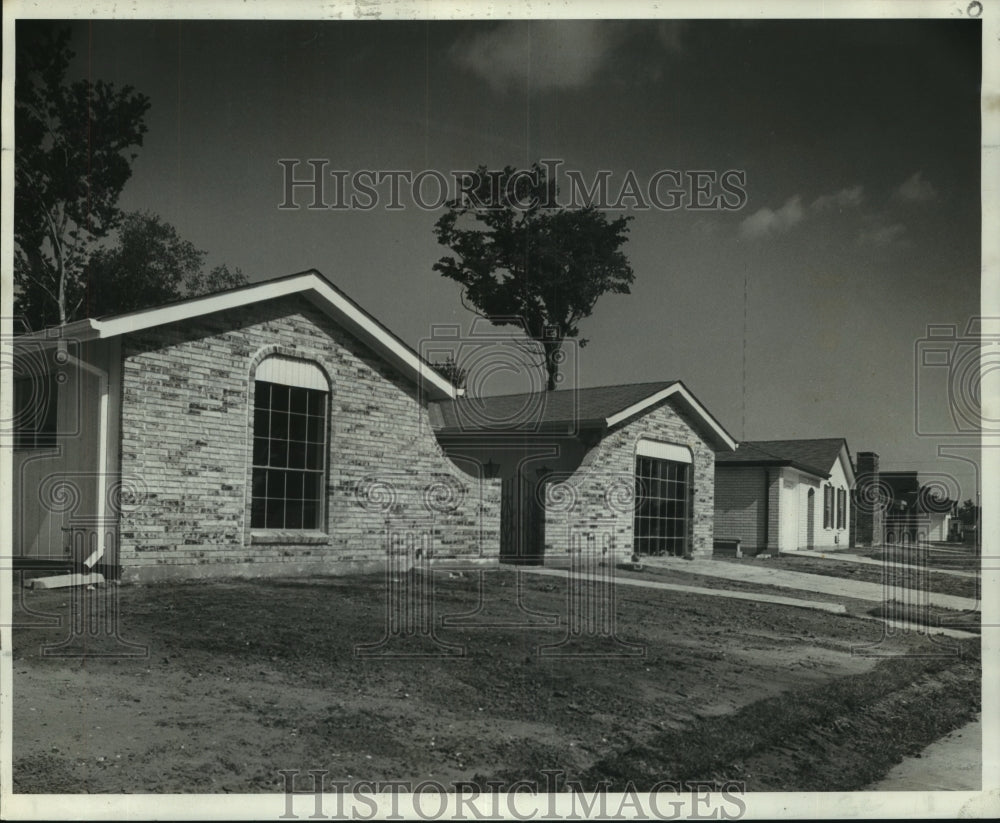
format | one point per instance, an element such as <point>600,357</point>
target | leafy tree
<point>150,264</point>
<point>968,513</point>
<point>451,371</point>
<point>74,145</point>
<point>527,262</point>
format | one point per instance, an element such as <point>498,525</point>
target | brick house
<point>274,428</point>
<point>605,471</point>
<point>784,495</point>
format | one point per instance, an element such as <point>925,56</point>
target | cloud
<point>915,189</point>
<point>843,199</point>
<point>882,235</point>
<point>545,54</point>
<point>764,221</point>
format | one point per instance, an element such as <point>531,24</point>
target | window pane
<point>293,486</point>
<point>297,427</point>
<point>315,430</point>
<point>259,483</point>
<point>296,455</point>
<point>279,425</point>
<point>314,456</point>
<point>310,515</point>
<point>279,397</point>
<point>261,420</point>
<point>260,451</point>
<point>257,509</point>
<point>275,514</point>
<point>275,485</point>
<point>312,486</point>
<point>316,403</point>
<point>293,514</point>
<point>279,453</point>
<point>297,402</point>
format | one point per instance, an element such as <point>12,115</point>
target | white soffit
<point>663,451</point>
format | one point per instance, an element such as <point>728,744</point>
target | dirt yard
<point>246,678</point>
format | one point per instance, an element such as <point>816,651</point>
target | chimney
<point>867,508</point>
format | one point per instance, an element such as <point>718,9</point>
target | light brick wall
<point>187,433</point>
<point>739,506</point>
<point>599,503</point>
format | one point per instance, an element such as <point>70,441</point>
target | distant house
<point>784,495</point>
<point>276,428</point>
<point>607,472</point>
<point>913,513</point>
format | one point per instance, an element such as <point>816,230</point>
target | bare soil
<point>240,679</point>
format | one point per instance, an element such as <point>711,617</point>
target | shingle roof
<point>580,407</point>
<point>815,456</point>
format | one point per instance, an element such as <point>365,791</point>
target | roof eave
<point>717,433</point>
<point>310,284</point>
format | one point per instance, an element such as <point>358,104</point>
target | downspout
<point>102,448</point>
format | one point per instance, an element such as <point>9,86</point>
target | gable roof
<point>563,410</point>
<point>310,284</point>
<point>814,456</point>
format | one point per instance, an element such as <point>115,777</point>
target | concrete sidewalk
<point>953,763</point>
<point>867,561</point>
<point>759,572</point>
<point>834,608</point>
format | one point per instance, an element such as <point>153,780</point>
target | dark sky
<point>860,142</point>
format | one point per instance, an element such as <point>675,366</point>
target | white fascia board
<point>78,330</point>
<point>342,310</point>
<point>425,372</point>
<point>188,309</point>
<point>845,462</point>
<point>694,405</point>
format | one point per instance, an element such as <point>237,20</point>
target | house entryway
<point>522,521</point>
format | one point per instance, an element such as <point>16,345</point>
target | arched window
<point>663,490</point>
<point>289,444</point>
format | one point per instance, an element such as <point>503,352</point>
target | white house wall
<point>57,486</point>
<point>823,537</point>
